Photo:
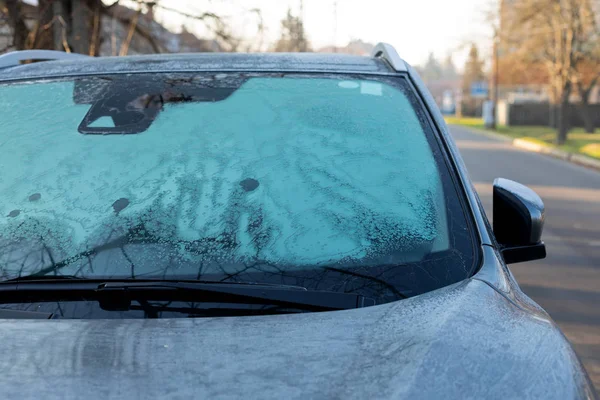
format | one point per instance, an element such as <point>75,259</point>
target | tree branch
<point>138,29</point>
<point>132,26</point>
<point>200,17</point>
<point>95,42</point>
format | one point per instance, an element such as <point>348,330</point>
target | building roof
<point>285,62</point>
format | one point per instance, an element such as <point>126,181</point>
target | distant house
<point>354,47</point>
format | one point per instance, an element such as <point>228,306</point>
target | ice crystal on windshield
<point>285,170</point>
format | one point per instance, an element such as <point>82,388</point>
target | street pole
<point>496,78</point>
<point>334,26</point>
<point>495,73</point>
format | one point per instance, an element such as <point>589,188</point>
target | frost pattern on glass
<point>288,171</point>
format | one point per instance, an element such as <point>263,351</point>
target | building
<point>354,47</point>
<point>147,35</point>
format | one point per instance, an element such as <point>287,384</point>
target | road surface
<point>567,282</point>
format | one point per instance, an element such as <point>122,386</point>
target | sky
<point>414,27</point>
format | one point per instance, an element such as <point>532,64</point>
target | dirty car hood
<point>462,341</point>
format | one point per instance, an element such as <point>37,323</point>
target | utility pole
<point>334,26</point>
<point>497,25</point>
<point>301,38</point>
<point>495,69</point>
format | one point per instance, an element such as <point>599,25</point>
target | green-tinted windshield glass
<point>220,176</point>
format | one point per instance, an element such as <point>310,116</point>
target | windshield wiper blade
<point>118,295</point>
<point>233,293</point>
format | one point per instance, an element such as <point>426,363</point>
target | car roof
<point>240,62</point>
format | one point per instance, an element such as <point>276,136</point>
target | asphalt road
<point>567,282</point>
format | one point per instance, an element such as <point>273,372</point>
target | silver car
<point>257,226</point>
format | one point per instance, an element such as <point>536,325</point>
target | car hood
<point>463,341</point>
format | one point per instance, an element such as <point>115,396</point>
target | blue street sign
<point>479,89</point>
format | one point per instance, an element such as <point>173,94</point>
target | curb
<point>537,148</point>
<point>560,154</point>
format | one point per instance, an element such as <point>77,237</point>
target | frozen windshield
<point>216,177</point>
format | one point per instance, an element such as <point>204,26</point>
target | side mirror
<point>518,221</point>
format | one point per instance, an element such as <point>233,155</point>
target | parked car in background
<point>257,226</point>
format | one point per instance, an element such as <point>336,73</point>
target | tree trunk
<point>96,30</point>
<point>44,32</point>
<point>59,26</point>
<point>586,115</point>
<point>562,115</point>
<point>584,106</point>
<point>552,114</point>
<point>17,24</point>
<point>562,122</point>
<point>81,23</point>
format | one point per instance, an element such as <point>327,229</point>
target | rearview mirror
<point>518,221</point>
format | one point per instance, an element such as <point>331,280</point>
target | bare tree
<point>555,33</point>
<point>473,73</point>
<point>584,88</point>
<point>59,24</point>
<point>587,73</point>
<point>432,70</point>
<point>448,68</point>
<point>293,37</point>
<point>76,25</point>
<point>214,23</point>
